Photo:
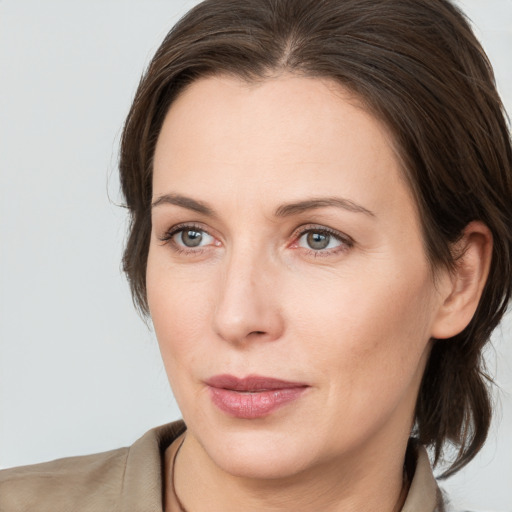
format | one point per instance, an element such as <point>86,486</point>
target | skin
<point>353,321</point>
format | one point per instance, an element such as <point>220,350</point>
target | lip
<point>253,396</point>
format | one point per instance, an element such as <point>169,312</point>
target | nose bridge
<point>246,306</point>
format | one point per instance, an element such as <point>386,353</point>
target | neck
<point>332,486</point>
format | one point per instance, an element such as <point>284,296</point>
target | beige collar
<point>143,487</point>
<point>424,495</point>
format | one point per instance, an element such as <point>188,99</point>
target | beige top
<point>130,480</point>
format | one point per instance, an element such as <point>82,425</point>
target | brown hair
<point>417,66</point>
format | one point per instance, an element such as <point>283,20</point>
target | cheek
<point>178,307</point>
<point>368,334</point>
<point>179,315</point>
<point>369,348</point>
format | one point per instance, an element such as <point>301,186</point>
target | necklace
<point>173,488</point>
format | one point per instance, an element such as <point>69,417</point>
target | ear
<point>462,288</point>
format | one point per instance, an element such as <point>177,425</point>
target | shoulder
<point>66,482</point>
<point>90,483</point>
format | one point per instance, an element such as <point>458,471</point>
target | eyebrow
<point>284,210</point>
<point>321,202</point>
<point>184,202</point>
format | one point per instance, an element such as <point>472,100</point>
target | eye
<point>192,238</point>
<point>322,240</point>
<point>188,237</point>
<point>316,240</point>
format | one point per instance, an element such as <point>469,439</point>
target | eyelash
<point>345,241</point>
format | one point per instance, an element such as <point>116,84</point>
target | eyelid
<point>169,233</point>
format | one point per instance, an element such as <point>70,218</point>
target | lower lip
<point>255,404</point>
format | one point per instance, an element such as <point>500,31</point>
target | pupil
<point>318,241</point>
<point>191,238</point>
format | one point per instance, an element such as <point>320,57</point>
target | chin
<point>260,464</point>
<point>258,453</point>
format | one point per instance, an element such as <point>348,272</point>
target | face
<point>287,279</point>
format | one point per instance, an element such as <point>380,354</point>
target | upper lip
<point>251,383</point>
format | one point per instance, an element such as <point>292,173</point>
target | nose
<point>247,307</point>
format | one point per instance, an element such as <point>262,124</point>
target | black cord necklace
<point>173,488</point>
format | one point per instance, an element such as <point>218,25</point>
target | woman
<point>320,200</point>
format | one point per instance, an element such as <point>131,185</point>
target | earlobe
<point>466,282</point>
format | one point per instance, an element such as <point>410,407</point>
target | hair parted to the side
<point>415,64</point>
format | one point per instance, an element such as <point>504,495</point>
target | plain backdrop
<point>79,370</point>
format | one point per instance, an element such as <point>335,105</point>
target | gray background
<point>79,371</point>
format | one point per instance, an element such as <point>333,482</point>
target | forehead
<point>295,134</point>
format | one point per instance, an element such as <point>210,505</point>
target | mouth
<point>253,396</point>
